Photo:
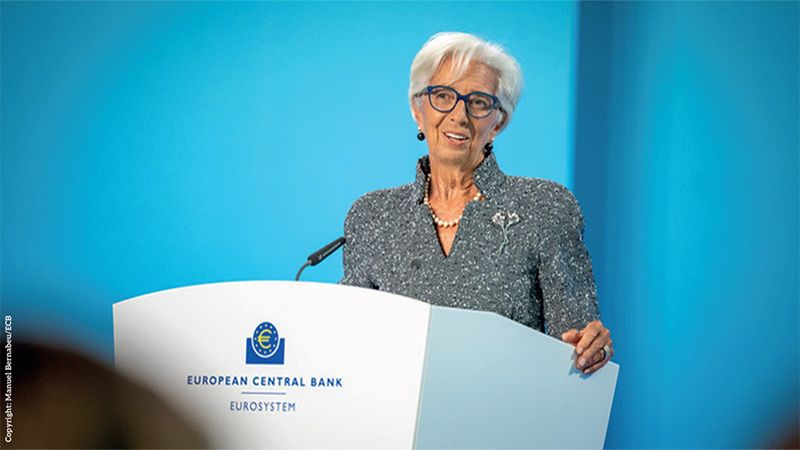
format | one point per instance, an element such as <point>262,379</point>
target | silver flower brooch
<point>505,221</point>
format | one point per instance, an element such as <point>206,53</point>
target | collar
<point>487,176</point>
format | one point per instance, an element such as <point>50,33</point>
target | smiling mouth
<point>455,138</point>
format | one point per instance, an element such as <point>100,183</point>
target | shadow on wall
<point>62,399</point>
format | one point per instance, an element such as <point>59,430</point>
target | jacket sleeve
<point>569,295</point>
<point>356,256</point>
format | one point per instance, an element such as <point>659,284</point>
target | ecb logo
<point>265,347</point>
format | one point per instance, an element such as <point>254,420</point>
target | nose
<point>459,113</point>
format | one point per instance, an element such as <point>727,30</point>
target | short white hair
<point>464,48</point>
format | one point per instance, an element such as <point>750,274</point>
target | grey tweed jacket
<point>518,253</point>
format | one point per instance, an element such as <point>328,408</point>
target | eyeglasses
<point>444,99</point>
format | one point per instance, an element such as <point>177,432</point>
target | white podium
<point>269,364</point>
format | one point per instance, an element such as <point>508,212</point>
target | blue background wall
<point>686,163</point>
<point>152,145</point>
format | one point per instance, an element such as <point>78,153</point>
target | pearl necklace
<point>436,219</point>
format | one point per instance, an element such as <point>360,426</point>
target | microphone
<point>319,255</point>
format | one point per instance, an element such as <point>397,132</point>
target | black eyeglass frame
<point>429,90</point>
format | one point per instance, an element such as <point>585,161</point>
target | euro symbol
<point>262,339</point>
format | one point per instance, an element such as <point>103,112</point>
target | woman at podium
<point>464,234</point>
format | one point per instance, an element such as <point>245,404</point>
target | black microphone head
<point>317,257</point>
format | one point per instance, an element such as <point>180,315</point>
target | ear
<point>501,123</point>
<point>415,111</point>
